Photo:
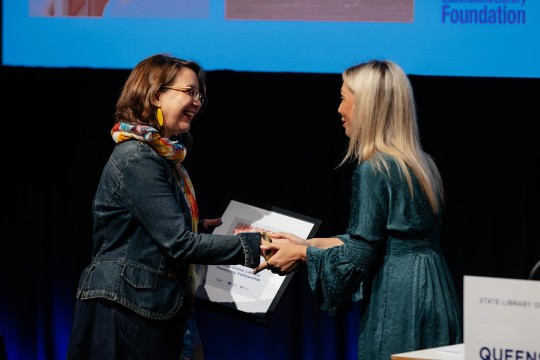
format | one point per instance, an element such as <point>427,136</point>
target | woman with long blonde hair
<point>390,257</point>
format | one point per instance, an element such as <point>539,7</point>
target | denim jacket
<point>143,241</point>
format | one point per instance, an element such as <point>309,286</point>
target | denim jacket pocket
<point>140,278</point>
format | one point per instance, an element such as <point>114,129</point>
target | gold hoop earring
<point>159,116</point>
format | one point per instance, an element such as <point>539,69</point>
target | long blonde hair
<point>385,122</point>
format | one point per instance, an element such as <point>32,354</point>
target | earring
<point>159,116</point>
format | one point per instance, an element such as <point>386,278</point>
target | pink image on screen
<point>321,10</point>
<point>193,9</point>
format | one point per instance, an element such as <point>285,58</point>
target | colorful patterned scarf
<point>174,152</point>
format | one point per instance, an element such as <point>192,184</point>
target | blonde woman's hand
<point>287,238</point>
<point>285,258</point>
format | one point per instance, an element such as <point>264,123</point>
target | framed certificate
<point>234,288</point>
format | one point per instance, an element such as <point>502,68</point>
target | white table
<point>451,352</point>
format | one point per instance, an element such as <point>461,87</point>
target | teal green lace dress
<point>391,260</point>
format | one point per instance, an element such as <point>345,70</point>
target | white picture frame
<point>234,288</point>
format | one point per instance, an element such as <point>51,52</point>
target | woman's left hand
<point>208,225</point>
<point>286,258</point>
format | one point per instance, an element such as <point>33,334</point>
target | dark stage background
<point>271,137</point>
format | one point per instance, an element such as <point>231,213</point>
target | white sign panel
<point>501,318</point>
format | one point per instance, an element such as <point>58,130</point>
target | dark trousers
<point>3,352</point>
<point>106,330</point>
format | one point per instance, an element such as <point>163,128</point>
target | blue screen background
<point>426,46</point>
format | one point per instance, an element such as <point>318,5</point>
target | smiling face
<point>346,108</point>
<point>177,103</point>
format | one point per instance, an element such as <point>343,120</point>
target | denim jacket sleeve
<point>148,189</point>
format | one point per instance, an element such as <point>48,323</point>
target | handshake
<point>283,253</point>
<point>266,240</point>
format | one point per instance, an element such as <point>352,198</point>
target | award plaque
<point>235,288</point>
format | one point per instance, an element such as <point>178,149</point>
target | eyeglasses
<point>195,94</point>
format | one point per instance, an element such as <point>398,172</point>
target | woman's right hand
<point>287,238</point>
<point>285,257</point>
